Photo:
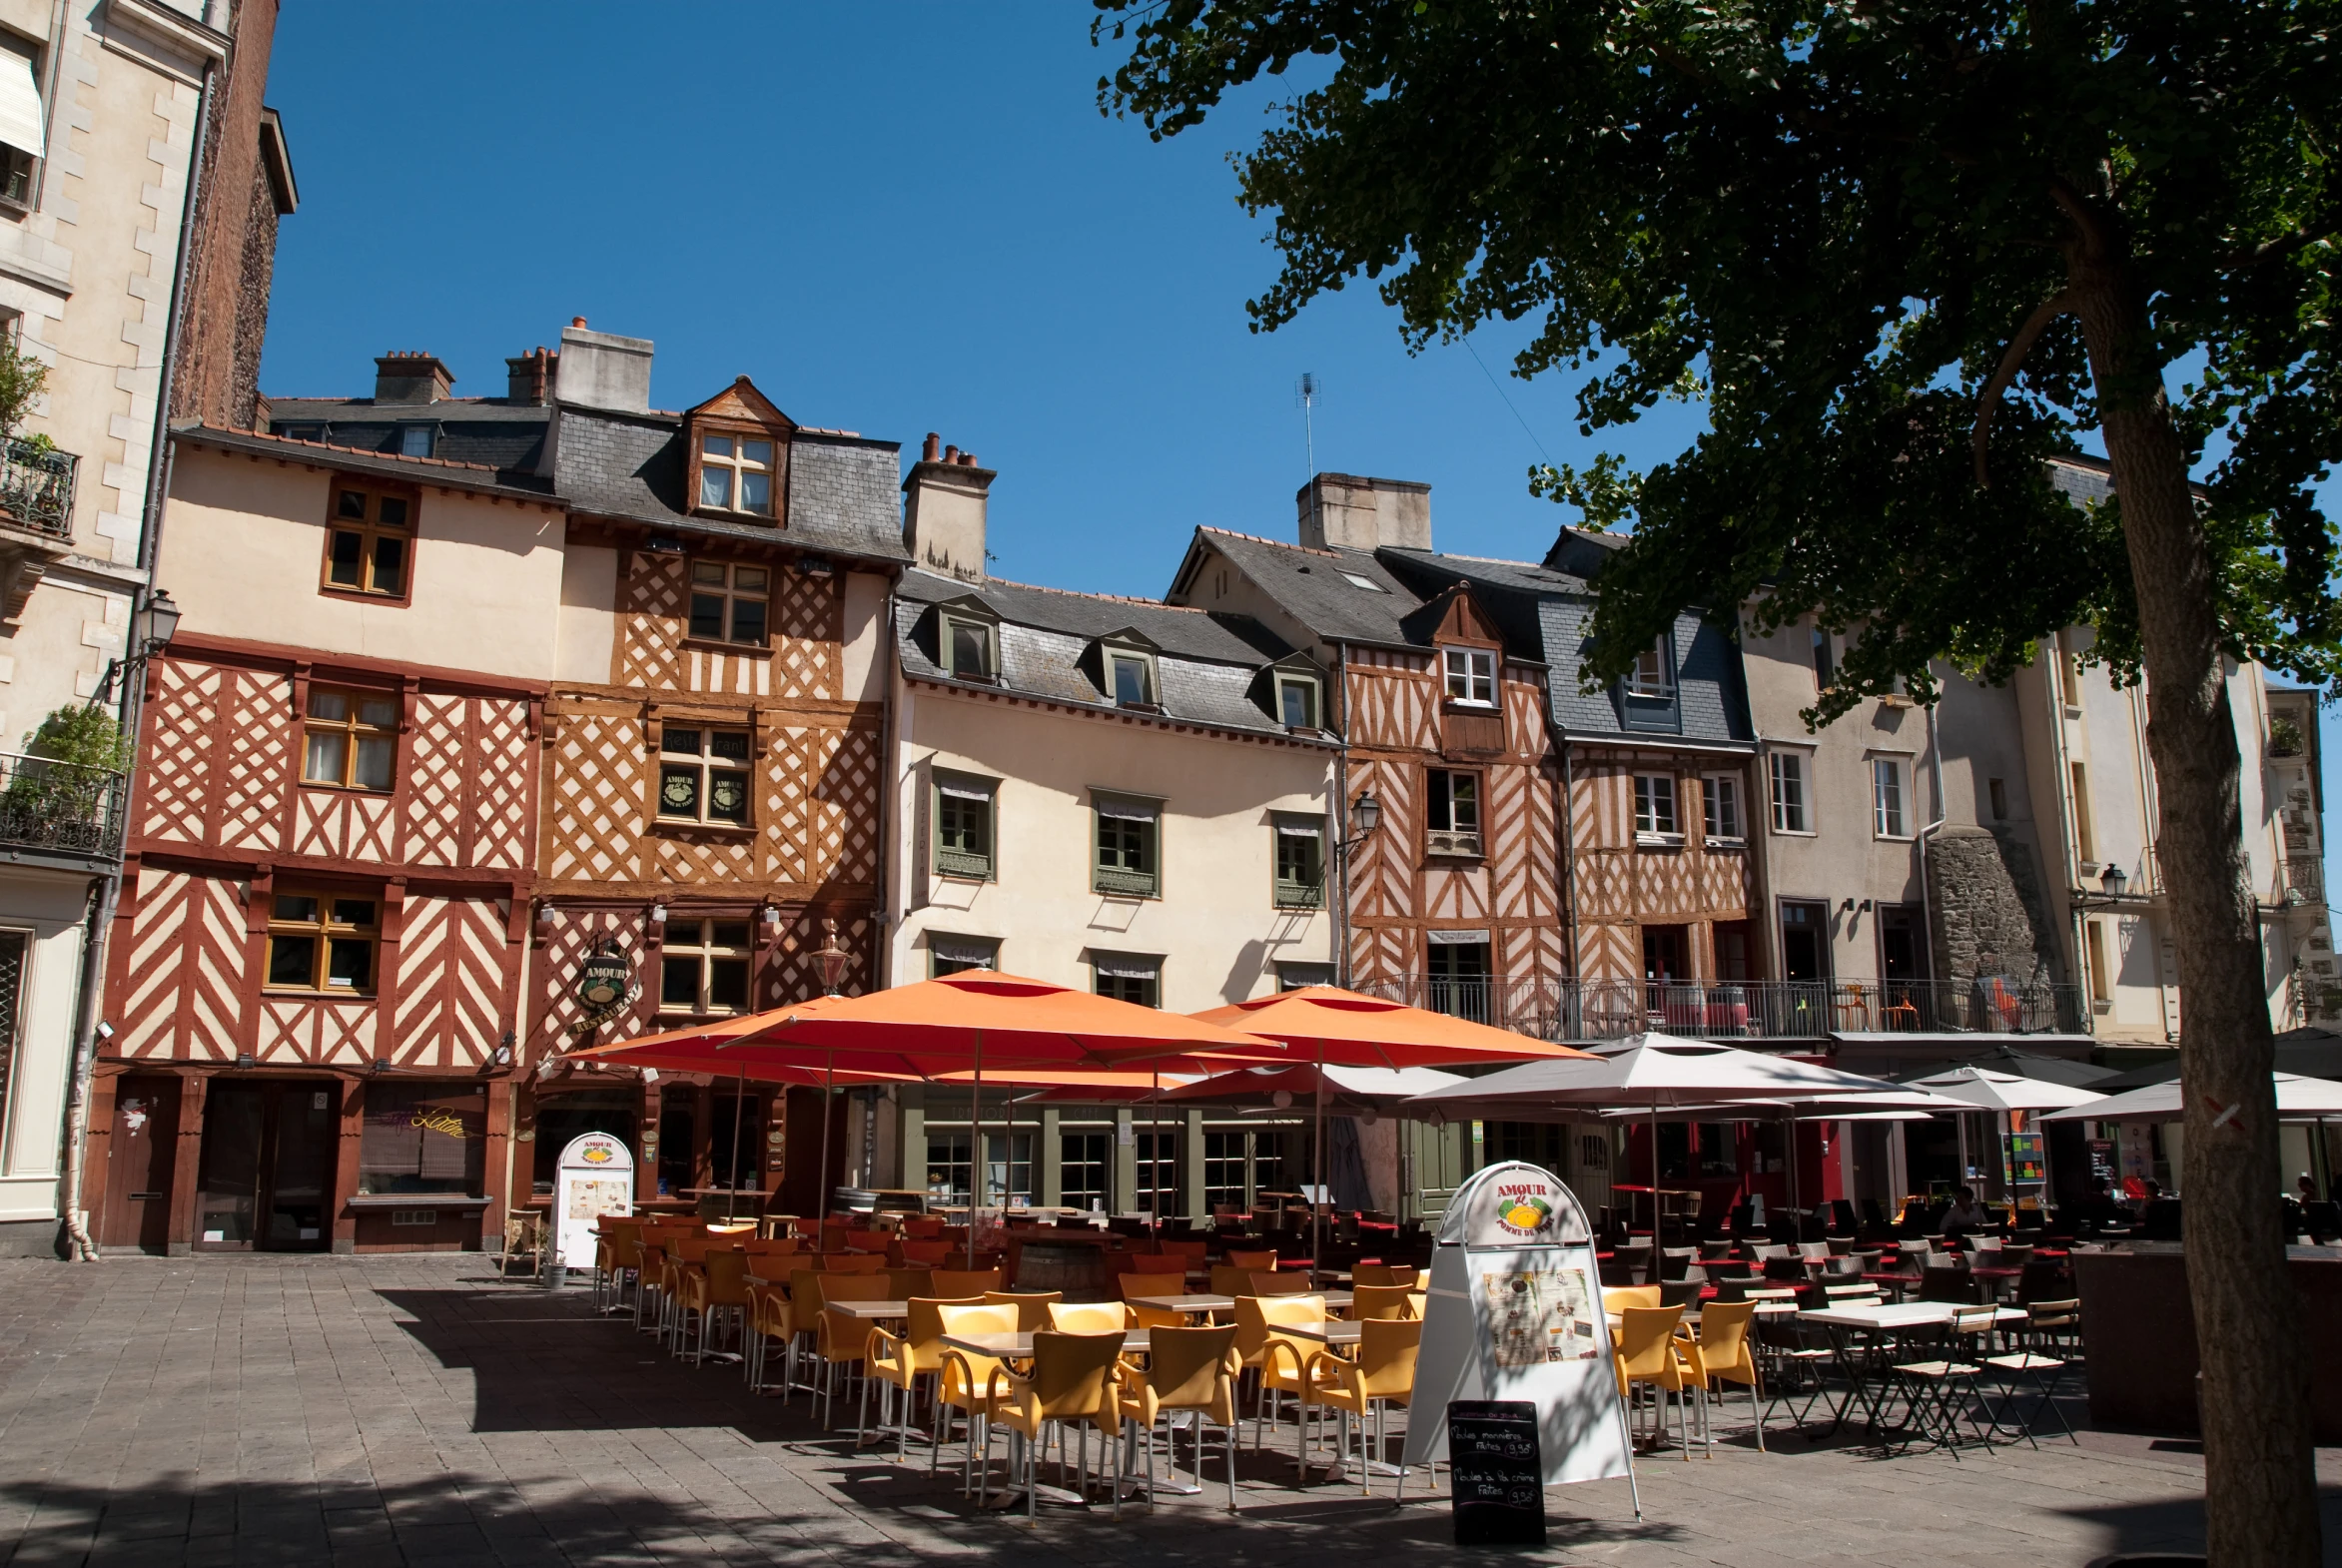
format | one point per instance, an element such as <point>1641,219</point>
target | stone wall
<point>1987,908</point>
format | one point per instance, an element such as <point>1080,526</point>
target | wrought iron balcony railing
<point>36,486</point>
<point>2301,880</point>
<point>1744,1010</point>
<point>63,808</point>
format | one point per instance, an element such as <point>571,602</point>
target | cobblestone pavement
<point>416,1409</point>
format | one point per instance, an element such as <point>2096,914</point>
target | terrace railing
<point>61,808</point>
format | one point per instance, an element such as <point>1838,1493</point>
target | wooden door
<point>139,1161</point>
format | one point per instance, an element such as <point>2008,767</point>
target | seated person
<point>1965,1215</point>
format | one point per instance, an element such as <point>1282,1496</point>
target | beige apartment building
<point>141,180</point>
<point>1112,794</point>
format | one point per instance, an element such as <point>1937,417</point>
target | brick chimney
<point>944,505</point>
<point>529,378</point>
<point>602,370</point>
<point>411,376</point>
<point>1344,511</point>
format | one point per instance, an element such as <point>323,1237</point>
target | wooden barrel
<point>1077,1269</point>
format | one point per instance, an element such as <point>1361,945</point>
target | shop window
<point>323,942</point>
<point>1008,1170</point>
<point>1158,1171</point>
<point>678,1153</point>
<point>703,776</point>
<point>1085,1163</point>
<point>729,603</point>
<point>951,1165</point>
<point>425,1137</point>
<point>350,739</point>
<point>736,1164</point>
<point>370,540</point>
<point>703,968</point>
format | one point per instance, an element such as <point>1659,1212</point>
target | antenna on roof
<point>1305,392</point>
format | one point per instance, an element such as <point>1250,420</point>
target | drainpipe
<point>1920,846</point>
<point>1341,826</point>
<point>108,889</point>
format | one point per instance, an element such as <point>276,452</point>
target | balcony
<point>59,810</point>
<point>2301,880</point>
<point>1775,1010</point>
<point>36,518</point>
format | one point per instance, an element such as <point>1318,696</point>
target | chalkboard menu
<point>1499,1478</point>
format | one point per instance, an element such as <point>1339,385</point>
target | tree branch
<point>2010,363</point>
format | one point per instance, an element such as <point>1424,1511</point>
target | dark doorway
<point>140,1158</point>
<point>1732,950</point>
<point>1804,940</point>
<point>1666,954</point>
<point>736,1166</point>
<point>562,1119</point>
<point>678,1140</point>
<point>266,1179</point>
<point>1901,957</point>
<point>1459,979</point>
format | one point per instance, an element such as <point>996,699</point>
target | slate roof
<point>844,492</point>
<point>1208,667</point>
<point>474,477</point>
<point>501,434</point>
<point>2082,478</point>
<point>1312,584</point>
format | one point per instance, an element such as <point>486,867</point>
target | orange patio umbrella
<point>953,1023</point>
<point>1330,1026</point>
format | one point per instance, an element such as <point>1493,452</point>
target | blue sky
<point>895,219</point>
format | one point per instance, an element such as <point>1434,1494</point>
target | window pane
<point>294,906</point>
<point>727,984</point>
<point>707,615</point>
<point>347,563</point>
<point>679,792</point>
<point>1437,812</point>
<point>749,580</point>
<point>680,742</point>
<point>350,963</point>
<point>728,934</point>
<point>415,440</point>
<point>757,493</point>
<point>1130,680</point>
<point>326,753</point>
<point>708,575</point>
<point>352,504</point>
<point>969,650</point>
<point>1465,793</point>
<point>727,797</point>
<point>1299,708</point>
<point>748,620</point>
<point>729,744</point>
<point>390,565</point>
<point>375,754</point>
<point>757,452</point>
<point>354,912</point>
<point>323,704</point>
<point>680,982</point>
<point>1483,677</point>
<point>716,445</point>
<point>390,512</point>
<point>292,960</point>
<point>380,713</point>
<point>715,486</point>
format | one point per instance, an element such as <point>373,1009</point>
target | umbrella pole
<point>732,1182</point>
<point>1317,1199</point>
<point>821,1176</point>
<point>975,1149</point>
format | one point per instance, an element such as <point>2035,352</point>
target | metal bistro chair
<point>524,1236</point>
<point>2047,1324</point>
<point>1944,1388</point>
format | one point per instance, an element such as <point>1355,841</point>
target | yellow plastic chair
<point>898,1361</point>
<point>904,1284</point>
<point>1385,1275</point>
<point>810,1294</point>
<point>1133,1285</point>
<point>1279,1359</point>
<point>1032,1306</point>
<point>1251,1262</point>
<point>1073,1383</point>
<point>1646,1354</point>
<point>1280,1283</point>
<point>854,1262</point>
<point>613,1254</point>
<point>1381,1301</point>
<point>1089,1317</point>
<point>1725,1352</point>
<point>963,1380</point>
<point>1619,1298</point>
<point>1187,1369</point>
<point>1416,1302</point>
<point>1381,1376</point>
<point>842,1343</point>
<point>1227,1280</point>
<point>768,1321</point>
<point>712,1288</point>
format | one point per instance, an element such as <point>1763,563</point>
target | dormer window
<point>1296,701</point>
<point>1129,679</point>
<point>967,650</point>
<point>414,440</point>
<point>1654,671</point>
<point>736,474</point>
<point>1472,676</point>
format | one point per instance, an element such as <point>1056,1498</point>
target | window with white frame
<point>1654,671</point>
<point>1655,818</point>
<point>1791,809</point>
<point>1720,800</point>
<point>1890,798</point>
<point>1472,676</point>
<point>1451,813</point>
<point>736,474</point>
<point>703,775</point>
<point>703,967</point>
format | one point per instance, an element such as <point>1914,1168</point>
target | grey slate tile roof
<point>844,492</point>
<point>504,436</point>
<point>1314,586</point>
<point>2082,478</point>
<point>1210,668</point>
<point>421,470</point>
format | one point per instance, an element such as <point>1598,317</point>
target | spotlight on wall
<point>1283,1098</point>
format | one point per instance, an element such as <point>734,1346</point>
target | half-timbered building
<point>314,973</point>
<point>713,757</point>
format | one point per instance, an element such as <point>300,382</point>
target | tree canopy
<point>1851,228</point>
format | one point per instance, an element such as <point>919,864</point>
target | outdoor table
<point>1333,1333</point>
<point>1017,1345</point>
<point>869,1311</point>
<point>1865,1371</point>
<point>1195,1306</point>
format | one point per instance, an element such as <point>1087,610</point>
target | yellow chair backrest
<point>854,1262</point>
<point>1153,1284</point>
<point>978,1318</point>
<point>1032,1306</point>
<point>904,1284</point>
<point>1380,1301</point>
<point>1646,1341</point>
<point>1417,1301</point>
<point>805,1289</point>
<point>1386,1356</point>
<point>691,1249</point>
<point>1383,1274</point>
<point>1619,1298</point>
<point>854,1287</point>
<point>1252,1260</point>
<point>922,1327</point>
<point>1228,1279</point>
<point>957,1283</point>
<point>1194,1369</point>
<point>1089,1317</point>
<point>1257,1315</point>
<point>1724,1341</point>
<point>777,1247</point>
<point>1071,1373</point>
<point>727,1278</point>
<point>1283,1282</point>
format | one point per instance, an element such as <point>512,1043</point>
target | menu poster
<point>1497,1476</point>
<point>1539,1314</point>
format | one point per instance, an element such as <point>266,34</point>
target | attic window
<point>1654,671</point>
<point>966,648</point>
<point>1368,583</point>
<point>1129,679</point>
<point>1296,701</point>
<point>736,474</point>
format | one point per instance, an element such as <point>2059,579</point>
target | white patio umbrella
<point>1984,1090</point>
<point>1649,1072</point>
<point>2298,1100</point>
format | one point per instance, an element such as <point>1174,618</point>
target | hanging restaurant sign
<point>604,985</point>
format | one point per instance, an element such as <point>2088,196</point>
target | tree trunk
<point>2260,1498</point>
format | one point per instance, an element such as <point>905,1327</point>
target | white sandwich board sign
<point>595,1177</point>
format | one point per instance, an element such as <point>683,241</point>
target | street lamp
<point>2112,884</point>
<point>2113,880</point>
<point>831,958</point>
<point>152,626</point>
<point>1366,816</point>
